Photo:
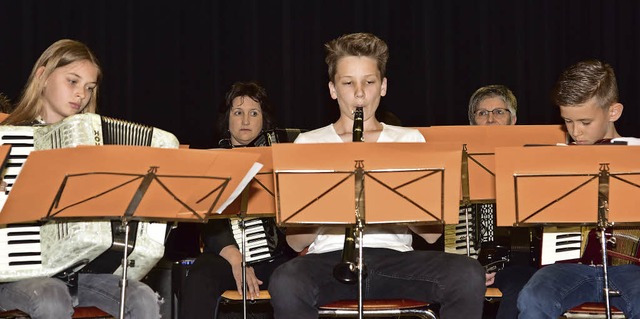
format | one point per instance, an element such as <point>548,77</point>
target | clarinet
<point>346,270</point>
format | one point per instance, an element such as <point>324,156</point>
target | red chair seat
<point>79,313</point>
<point>593,310</point>
<point>376,304</point>
<point>89,312</point>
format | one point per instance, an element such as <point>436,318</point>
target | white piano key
<point>21,228</point>
<point>20,151</point>
<point>260,243</point>
<point>21,259</point>
<point>257,247</point>
<point>8,249</point>
<point>258,251</point>
<point>26,267</point>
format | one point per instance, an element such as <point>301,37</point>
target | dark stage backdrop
<point>168,63</point>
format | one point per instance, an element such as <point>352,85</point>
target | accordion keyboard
<point>478,226</point>
<point>258,247</point>
<point>21,140</point>
<point>561,243</point>
<point>21,247</point>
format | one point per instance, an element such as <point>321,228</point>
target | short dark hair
<point>254,91</point>
<point>585,80</point>
<point>356,44</point>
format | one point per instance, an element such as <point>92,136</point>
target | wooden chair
<point>232,297</point>
<point>79,313</point>
<point>593,310</point>
<point>373,308</point>
<point>378,308</point>
<point>492,293</point>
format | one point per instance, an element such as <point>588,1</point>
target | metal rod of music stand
<point>125,264</point>
<point>360,231</point>
<point>244,205</point>
<point>467,235</point>
<point>603,223</point>
<point>360,221</point>
<point>243,231</point>
<point>606,290</point>
<point>466,201</point>
<point>131,208</point>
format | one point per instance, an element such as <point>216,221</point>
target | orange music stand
<point>559,185</point>
<point>120,182</point>
<point>481,142</point>
<point>570,185</point>
<point>332,183</point>
<point>478,171</point>
<point>98,182</point>
<point>259,194</point>
<point>405,182</point>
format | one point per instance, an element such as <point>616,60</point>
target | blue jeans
<point>455,282</point>
<point>49,298</point>
<point>554,289</point>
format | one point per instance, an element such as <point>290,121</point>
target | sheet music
<point>236,192</point>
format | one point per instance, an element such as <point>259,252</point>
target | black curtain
<point>168,63</point>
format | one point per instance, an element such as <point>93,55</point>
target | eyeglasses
<point>497,113</point>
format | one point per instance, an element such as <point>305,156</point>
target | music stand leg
<point>243,231</point>
<point>125,264</point>
<point>605,270</point>
<point>467,211</point>
<point>360,273</point>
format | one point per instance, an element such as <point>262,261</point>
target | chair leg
<point>217,308</point>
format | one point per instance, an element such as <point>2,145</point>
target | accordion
<point>62,247</point>
<point>264,241</point>
<point>476,228</point>
<point>477,236</point>
<point>262,238</point>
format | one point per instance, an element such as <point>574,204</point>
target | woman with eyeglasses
<point>493,105</point>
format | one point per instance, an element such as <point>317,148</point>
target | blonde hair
<point>59,54</point>
<point>356,44</point>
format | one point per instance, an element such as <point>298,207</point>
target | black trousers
<point>210,276</point>
<point>456,282</point>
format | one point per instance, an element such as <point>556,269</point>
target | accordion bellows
<point>93,129</point>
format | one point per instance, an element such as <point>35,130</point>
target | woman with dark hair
<point>248,113</point>
<point>219,267</point>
